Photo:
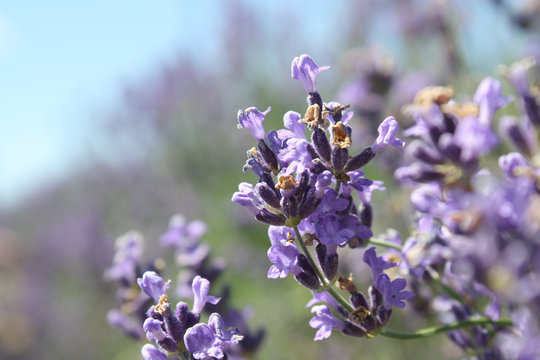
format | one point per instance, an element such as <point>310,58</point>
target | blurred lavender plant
<point>478,229</point>
<point>178,334</point>
<point>306,193</point>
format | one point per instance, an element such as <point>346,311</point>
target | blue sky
<point>62,60</point>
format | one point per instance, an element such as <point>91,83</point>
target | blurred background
<point>117,115</point>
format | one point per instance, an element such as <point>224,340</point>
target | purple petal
<point>153,285</point>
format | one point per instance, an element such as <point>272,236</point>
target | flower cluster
<point>478,228</point>
<point>177,332</point>
<point>312,192</point>
<point>180,331</point>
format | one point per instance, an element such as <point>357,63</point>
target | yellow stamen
<point>313,116</point>
<point>433,95</point>
<point>341,138</point>
<point>163,305</point>
<point>359,314</point>
<point>347,284</point>
<point>460,110</point>
<point>286,182</point>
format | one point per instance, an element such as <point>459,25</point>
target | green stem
<point>326,285</point>
<point>308,255</point>
<point>338,186</point>
<point>445,328</point>
<point>385,244</point>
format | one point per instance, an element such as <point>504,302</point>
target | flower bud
<point>340,156</point>
<point>268,155</point>
<point>321,143</point>
<point>360,160</point>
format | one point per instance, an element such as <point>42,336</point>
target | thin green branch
<point>442,329</point>
<point>326,285</point>
<point>385,244</point>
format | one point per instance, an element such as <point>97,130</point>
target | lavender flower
<point>387,135</point>
<point>303,68</point>
<point>201,287</point>
<point>324,321</point>
<point>252,119</point>
<point>153,285</point>
<point>392,291</point>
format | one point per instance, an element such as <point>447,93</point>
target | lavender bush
<point>469,262</point>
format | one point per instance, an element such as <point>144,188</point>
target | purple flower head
<point>304,68</point>
<point>150,352</point>
<point>387,135</point>
<point>324,321</point>
<point>252,119</point>
<point>490,98</point>
<point>200,287</point>
<point>377,264</point>
<point>153,285</point>
<point>392,291</point>
<point>200,341</point>
<point>127,257</point>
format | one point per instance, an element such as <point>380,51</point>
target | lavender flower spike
<point>252,119</point>
<point>200,288</point>
<point>387,135</point>
<point>304,68</point>
<point>153,285</point>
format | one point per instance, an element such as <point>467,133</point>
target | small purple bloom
<point>304,68</point>
<point>182,235</point>
<point>150,352</point>
<point>247,198</point>
<point>200,287</point>
<point>510,161</point>
<point>282,253</point>
<point>284,260</point>
<point>376,263</point>
<point>387,135</point>
<point>295,129</point>
<point>324,321</point>
<point>331,232</point>
<point>490,98</point>
<point>474,138</point>
<point>322,297</point>
<point>392,291</point>
<point>127,257</point>
<point>153,285</point>
<point>154,330</point>
<point>252,119</point>
<point>200,342</point>
<point>224,336</point>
